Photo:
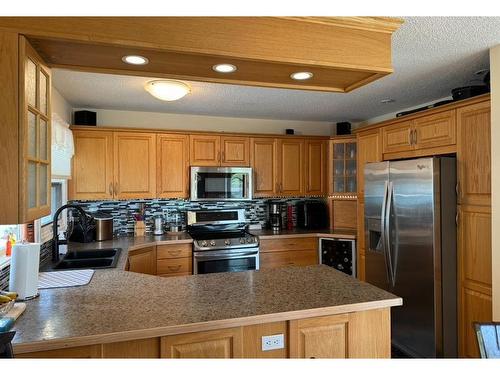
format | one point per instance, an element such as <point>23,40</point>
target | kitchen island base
<point>360,334</point>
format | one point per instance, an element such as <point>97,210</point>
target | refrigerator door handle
<point>387,233</point>
<point>383,229</point>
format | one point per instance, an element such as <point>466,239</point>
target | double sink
<point>98,258</point>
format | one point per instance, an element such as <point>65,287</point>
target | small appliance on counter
<point>339,254</point>
<point>275,219</point>
<point>24,266</point>
<point>103,226</point>
<point>312,215</point>
<point>158,226</point>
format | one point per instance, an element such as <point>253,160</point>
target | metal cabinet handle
<point>415,136</point>
<point>111,189</point>
<point>410,137</point>
<point>457,218</point>
<point>174,252</point>
<point>176,268</point>
<point>218,156</point>
<point>116,187</point>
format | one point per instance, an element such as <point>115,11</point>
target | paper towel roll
<point>24,266</point>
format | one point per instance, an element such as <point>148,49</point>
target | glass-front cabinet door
<point>343,166</point>
<point>35,121</point>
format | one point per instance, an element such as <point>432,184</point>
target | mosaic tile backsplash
<point>123,211</point>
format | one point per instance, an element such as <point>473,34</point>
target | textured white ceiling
<point>431,55</point>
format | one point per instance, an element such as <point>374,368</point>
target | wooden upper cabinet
<point>172,166</point>
<point>204,150</point>
<point>134,165</point>
<point>290,167</point>
<point>474,153</point>
<point>315,169</point>
<point>263,161</point>
<point>398,137</point>
<point>435,130</point>
<point>35,134</point>
<point>369,150</point>
<point>235,151</point>
<point>142,260</point>
<point>92,174</point>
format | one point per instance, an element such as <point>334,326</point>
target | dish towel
<point>62,279</point>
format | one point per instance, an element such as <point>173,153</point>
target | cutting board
<point>8,320</point>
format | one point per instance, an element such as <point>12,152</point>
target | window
<point>58,198</point>
<point>5,231</point>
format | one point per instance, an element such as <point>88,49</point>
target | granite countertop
<point>118,305</point>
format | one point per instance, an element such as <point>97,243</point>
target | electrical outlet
<point>273,342</point>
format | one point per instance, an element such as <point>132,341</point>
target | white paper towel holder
<point>24,267</point>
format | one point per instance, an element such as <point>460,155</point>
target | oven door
<point>228,184</point>
<point>234,260</point>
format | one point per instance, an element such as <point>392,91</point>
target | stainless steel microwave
<point>221,184</point>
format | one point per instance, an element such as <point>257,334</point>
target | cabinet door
<point>474,154</point>
<point>436,130</point>
<point>397,137</point>
<point>35,134</point>
<point>172,166</point>
<point>291,167</point>
<point>204,150</point>
<point>224,343</point>
<point>474,307</point>
<point>134,165</point>
<point>315,171</point>
<point>324,337</point>
<point>92,172</point>
<point>369,150</point>
<point>235,151</point>
<point>143,260</point>
<point>263,161</point>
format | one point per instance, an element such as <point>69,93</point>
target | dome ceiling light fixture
<point>224,68</point>
<point>135,60</point>
<point>167,89</point>
<point>301,76</point>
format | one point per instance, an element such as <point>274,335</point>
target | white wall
<point>61,106</point>
<point>495,177</point>
<point>171,121</point>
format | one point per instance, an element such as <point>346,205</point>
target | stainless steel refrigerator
<point>410,232</point>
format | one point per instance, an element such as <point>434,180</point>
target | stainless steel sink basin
<point>98,258</point>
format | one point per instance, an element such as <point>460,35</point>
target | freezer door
<point>376,187</point>
<point>414,254</point>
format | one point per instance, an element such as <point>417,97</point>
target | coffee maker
<point>275,221</point>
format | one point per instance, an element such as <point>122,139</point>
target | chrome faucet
<point>55,226</point>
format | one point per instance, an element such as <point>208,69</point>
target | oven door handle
<point>224,255</point>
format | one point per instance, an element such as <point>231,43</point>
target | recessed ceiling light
<point>135,60</point>
<point>168,89</point>
<point>387,101</point>
<point>300,76</point>
<point>224,68</point>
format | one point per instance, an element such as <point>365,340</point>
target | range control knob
<point>242,240</point>
<point>227,242</point>
<point>204,243</point>
<point>212,243</point>
<point>249,239</point>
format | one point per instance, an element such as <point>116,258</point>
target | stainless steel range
<point>221,241</point>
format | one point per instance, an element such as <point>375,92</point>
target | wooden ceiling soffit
<point>342,53</point>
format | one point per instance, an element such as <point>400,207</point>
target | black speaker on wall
<point>343,128</point>
<point>85,118</point>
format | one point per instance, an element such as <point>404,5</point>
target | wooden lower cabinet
<point>362,334</point>
<point>174,260</point>
<point>279,252</point>
<point>277,259</point>
<point>224,343</point>
<point>142,260</point>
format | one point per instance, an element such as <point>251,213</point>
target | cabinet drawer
<point>287,244</point>
<point>288,258</point>
<point>174,251</point>
<point>176,274</point>
<point>174,265</point>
